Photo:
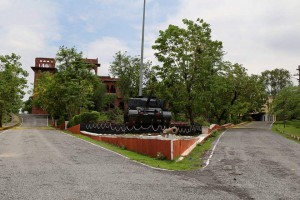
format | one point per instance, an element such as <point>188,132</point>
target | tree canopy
<point>12,84</point>
<point>126,68</point>
<point>275,80</point>
<point>189,58</point>
<point>195,79</point>
<point>286,105</point>
<point>69,90</point>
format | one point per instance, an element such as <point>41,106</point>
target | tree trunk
<point>1,116</point>
<point>225,110</point>
<point>190,115</point>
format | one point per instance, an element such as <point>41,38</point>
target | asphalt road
<point>248,163</point>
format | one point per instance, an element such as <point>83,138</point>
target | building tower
<point>42,65</point>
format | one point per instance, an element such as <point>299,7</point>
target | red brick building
<point>111,88</point>
<point>43,65</point>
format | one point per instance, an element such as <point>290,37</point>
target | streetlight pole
<point>298,75</point>
<point>142,54</point>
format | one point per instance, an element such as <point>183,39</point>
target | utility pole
<point>142,54</point>
<point>298,75</point>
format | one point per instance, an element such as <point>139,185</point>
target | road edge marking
<point>272,125</point>
<point>3,132</point>
<point>213,150</point>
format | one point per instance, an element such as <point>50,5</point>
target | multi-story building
<point>43,65</point>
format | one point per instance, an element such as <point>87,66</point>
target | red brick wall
<point>145,146</point>
<point>149,147</point>
<point>180,146</point>
<point>75,129</point>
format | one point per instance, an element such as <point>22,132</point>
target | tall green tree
<point>275,80</point>
<point>12,84</point>
<point>286,105</point>
<point>235,93</point>
<point>189,59</point>
<point>126,68</point>
<point>71,89</point>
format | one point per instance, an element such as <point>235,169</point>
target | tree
<point>275,80</point>
<point>12,82</point>
<point>189,59</point>
<point>126,68</point>
<point>286,105</point>
<point>235,93</point>
<point>27,106</point>
<point>71,89</point>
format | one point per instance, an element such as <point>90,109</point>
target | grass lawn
<point>291,130</point>
<point>191,162</point>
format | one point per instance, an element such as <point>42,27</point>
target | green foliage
<point>103,117</point>
<point>108,100</point>
<point>286,105</point>
<point>234,93</point>
<point>115,115</point>
<point>60,121</point>
<point>189,58</point>
<point>289,129</point>
<point>275,80</point>
<point>89,117</point>
<point>27,106</point>
<point>71,89</point>
<point>98,96</point>
<point>12,82</point>
<point>74,121</point>
<point>195,80</point>
<point>126,68</point>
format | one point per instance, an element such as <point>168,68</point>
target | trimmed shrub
<point>71,123</point>
<point>77,119</point>
<point>115,115</point>
<point>102,117</point>
<point>89,117</point>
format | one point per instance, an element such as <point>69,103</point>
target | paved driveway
<point>251,161</point>
<point>48,164</point>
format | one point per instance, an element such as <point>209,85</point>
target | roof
<point>108,79</point>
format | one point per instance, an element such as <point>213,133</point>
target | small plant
<point>122,146</point>
<point>160,156</point>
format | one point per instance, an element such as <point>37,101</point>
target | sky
<point>259,34</point>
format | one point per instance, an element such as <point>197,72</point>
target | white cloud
<point>104,48</point>
<point>27,28</point>
<point>258,34</point>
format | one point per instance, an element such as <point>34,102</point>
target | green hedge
<point>86,117</point>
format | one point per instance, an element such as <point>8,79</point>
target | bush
<point>103,117</point>
<point>115,115</point>
<point>60,121</point>
<point>160,156</point>
<point>77,119</point>
<point>202,121</point>
<point>71,123</point>
<point>89,117</point>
